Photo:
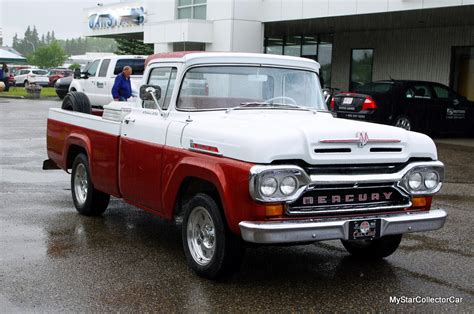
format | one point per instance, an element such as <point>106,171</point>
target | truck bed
<point>99,138</point>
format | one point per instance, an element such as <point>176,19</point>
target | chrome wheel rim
<point>80,184</point>
<point>403,123</point>
<point>201,236</point>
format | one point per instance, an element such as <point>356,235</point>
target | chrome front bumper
<point>307,231</point>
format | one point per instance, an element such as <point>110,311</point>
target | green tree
<point>48,56</point>
<point>74,66</point>
<point>133,47</point>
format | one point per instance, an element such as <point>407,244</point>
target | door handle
<point>100,85</point>
<point>128,120</point>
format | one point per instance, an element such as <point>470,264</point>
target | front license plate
<point>364,229</point>
<point>347,100</point>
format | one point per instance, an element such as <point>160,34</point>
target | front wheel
<point>211,249</point>
<point>373,249</point>
<point>87,200</point>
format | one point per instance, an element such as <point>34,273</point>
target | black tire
<point>88,201</point>
<point>373,249</point>
<point>77,101</point>
<point>404,122</point>
<point>228,249</point>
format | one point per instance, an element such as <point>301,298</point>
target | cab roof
<point>198,57</point>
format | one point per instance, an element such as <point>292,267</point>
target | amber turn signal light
<point>273,210</point>
<point>421,202</point>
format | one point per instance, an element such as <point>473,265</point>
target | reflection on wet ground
<point>52,259</point>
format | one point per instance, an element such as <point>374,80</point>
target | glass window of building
<point>292,46</point>
<point>192,9</point>
<point>315,47</point>
<point>361,67</point>
<point>189,46</point>
<point>274,46</point>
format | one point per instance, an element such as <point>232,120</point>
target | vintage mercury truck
<point>240,148</point>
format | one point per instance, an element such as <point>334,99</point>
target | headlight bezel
<point>279,172</point>
<point>424,171</point>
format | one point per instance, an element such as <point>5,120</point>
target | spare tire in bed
<point>77,101</point>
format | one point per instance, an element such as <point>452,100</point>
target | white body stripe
<point>84,120</point>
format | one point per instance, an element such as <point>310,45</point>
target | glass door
<point>462,71</point>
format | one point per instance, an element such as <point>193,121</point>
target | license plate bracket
<point>367,229</point>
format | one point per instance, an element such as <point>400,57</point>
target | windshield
<point>40,72</point>
<point>224,87</point>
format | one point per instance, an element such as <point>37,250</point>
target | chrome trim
<point>337,209</point>
<point>335,179</point>
<point>257,171</point>
<point>267,232</point>
<point>355,207</point>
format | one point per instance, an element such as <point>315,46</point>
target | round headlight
<point>415,180</point>
<point>431,180</point>
<point>268,186</point>
<point>288,185</point>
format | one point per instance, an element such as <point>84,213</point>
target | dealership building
<point>355,41</point>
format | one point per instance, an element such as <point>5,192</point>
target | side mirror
<point>150,92</point>
<point>77,73</point>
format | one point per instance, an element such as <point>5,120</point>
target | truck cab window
<point>92,70</point>
<point>165,79</point>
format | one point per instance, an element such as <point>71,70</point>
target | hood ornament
<point>361,139</point>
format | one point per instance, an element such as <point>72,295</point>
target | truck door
<point>142,142</point>
<point>102,91</point>
<point>89,84</point>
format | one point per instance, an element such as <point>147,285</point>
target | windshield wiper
<point>267,105</point>
<point>292,106</point>
<point>248,104</point>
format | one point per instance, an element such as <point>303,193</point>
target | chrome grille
<point>345,200</point>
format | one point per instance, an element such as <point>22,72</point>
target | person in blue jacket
<point>122,89</point>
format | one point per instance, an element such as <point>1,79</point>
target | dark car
<point>426,107</point>
<point>62,86</point>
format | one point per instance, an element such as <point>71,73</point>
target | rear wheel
<point>77,101</point>
<point>87,200</point>
<point>211,249</point>
<point>373,249</point>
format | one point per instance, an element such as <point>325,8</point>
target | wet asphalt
<point>53,260</point>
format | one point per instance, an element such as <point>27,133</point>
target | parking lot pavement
<point>53,260</point>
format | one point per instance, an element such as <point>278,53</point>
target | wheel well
<point>190,187</point>
<point>72,153</point>
<point>73,89</point>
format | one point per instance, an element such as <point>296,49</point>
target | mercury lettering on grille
<point>350,196</point>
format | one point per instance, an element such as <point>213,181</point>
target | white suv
<point>27,76</point>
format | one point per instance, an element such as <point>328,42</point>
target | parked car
<point>256,158</point>
<point>426,107</point>
<point>62,86</point>
<point>55,74</point>
<point>97,79</point>
<point>28,76</point>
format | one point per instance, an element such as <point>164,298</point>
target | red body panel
<point>230,176</point>
<point>140,173</point>
<point>149,175</point>
<point>101,150</point>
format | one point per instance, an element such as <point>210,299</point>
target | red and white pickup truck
<point>240,148</point>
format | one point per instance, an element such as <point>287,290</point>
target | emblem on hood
<point>362,138</point>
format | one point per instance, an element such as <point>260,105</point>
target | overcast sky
<point>62,16</point>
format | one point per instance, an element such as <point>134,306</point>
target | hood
<point>265,136</point>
